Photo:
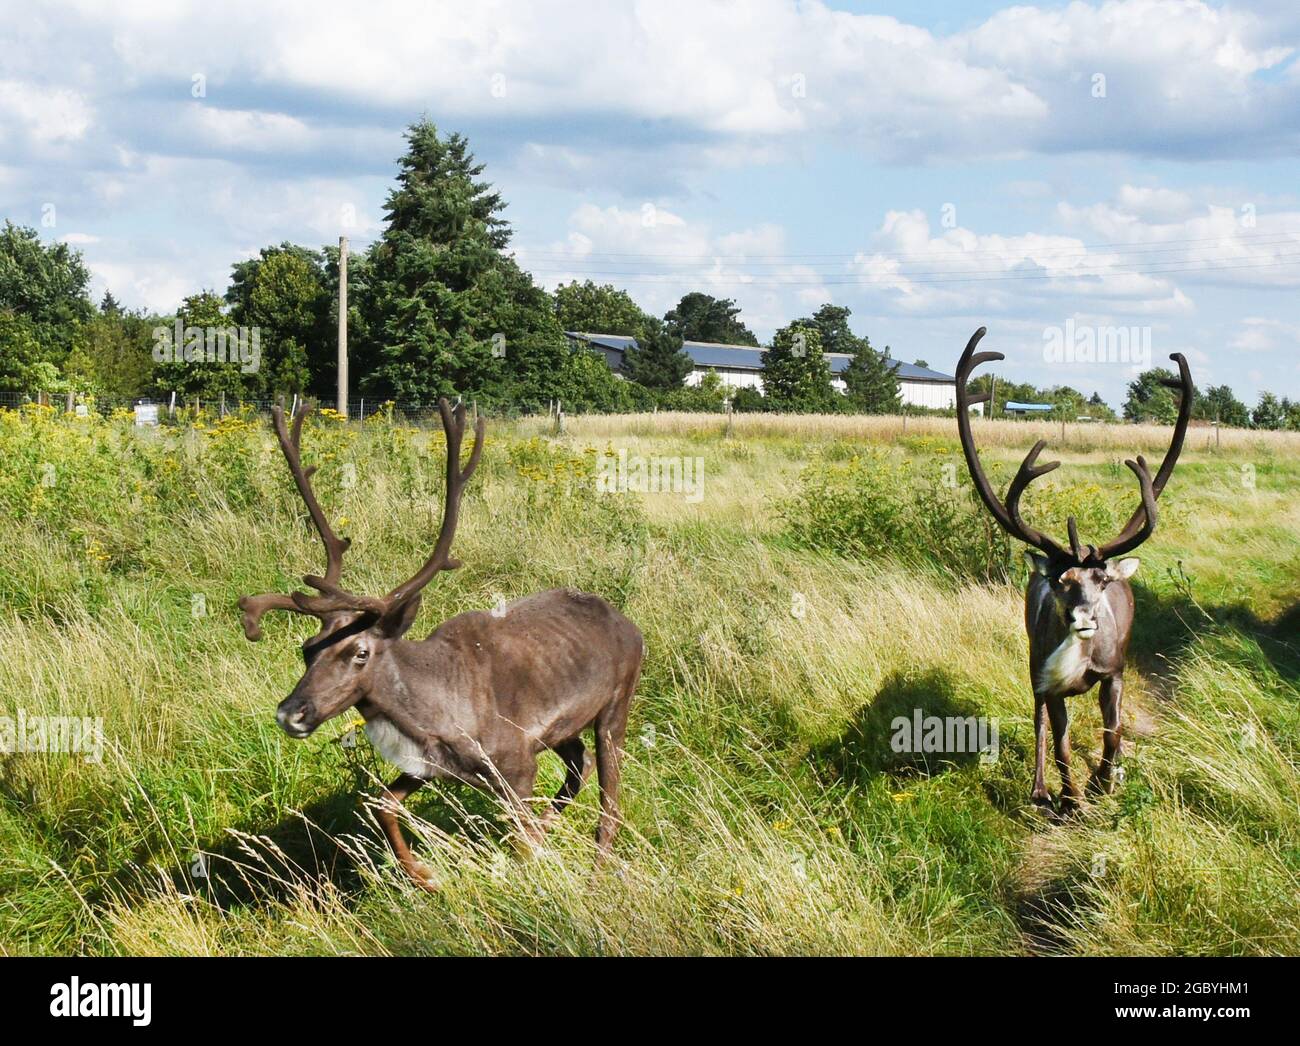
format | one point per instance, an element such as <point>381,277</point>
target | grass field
<point>832,574</point>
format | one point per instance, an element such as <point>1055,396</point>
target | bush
<point>873,505</point>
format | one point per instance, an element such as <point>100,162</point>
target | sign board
<point>146,414</point>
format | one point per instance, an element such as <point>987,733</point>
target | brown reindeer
<point>1078,603</point>
<point>481,697</point>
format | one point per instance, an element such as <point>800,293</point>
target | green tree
<point>593,309</point>
<point>118,359</point>
<point>1149,400</point>
<point>44,288</point>
<point>449,313</point>
<point>1098,409</point>
<point>587,385</point>
<point>870,379</point>
<point>657,361</point>
<point>708,397</point>
<point>24,363</point>
<point>796,373</point>
<point>1269,412</point>
<point>1220,403</point>
<point>282,293</point>
<point>189,372</point>
<point>701,317</point>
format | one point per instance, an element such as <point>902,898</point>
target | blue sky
<point>934,166</point>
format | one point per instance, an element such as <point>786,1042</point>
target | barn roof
<point>748,357</point>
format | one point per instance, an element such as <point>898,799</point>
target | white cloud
<point>1265,334</point>
<point>743,76</point>
<point>42,114</point>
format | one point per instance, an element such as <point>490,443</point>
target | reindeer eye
<point>361,656</point>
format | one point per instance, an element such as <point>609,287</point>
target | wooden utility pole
<point>343,326</point>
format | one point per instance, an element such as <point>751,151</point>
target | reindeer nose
<point>292,718</point>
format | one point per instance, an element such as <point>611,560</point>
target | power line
<point>1160,246</point>
<point>861,278</point>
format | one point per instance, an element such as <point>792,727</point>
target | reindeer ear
<point>1037,564</point>
<point>1117,569</point>
<point>394,623</point>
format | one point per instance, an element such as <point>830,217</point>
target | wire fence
<point>359,409</point>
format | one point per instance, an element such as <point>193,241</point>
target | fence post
<point>171,407</point>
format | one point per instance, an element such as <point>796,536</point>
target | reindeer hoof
<point>1070,806</point>
<point>423,876</point>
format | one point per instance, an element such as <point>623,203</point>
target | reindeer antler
<point>333,598</point>
<point>453,423</point>
<point>1140,525</point>
<point>1008,515</point>
<point>1143,521</point>
<point>254,607</point>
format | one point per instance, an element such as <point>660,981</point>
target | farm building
<point>740,366</point>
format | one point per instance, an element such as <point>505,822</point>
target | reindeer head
<point>1078,576</point>
<point>348,656</point>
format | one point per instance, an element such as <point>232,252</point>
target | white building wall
<point>934,395</point>
<point>731,378</point>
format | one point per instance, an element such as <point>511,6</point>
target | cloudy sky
<point>934,166</point>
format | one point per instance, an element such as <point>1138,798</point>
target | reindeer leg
<point>578,764</point>
<point>514,785</point>
<point>390,801</point>
<point>611,728</point>
<point>1111,696</point>
<point>1040,795</point>
<point>1060,717</point>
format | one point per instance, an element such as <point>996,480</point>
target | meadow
<point>832,574</point>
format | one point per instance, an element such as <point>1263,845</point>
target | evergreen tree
<point>1269,412</point>
<point>658,361</point>
<point>796,373</point>
<point>450,314</point>
<point>870,380</point>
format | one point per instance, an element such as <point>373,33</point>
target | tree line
<point>438,306</point>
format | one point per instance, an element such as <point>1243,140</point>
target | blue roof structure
<point>1037,407</point>
<point>748,357</point>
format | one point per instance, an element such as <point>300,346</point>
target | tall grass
<point>764,813</point>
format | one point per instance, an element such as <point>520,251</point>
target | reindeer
<point>478,699</point>
<point>1078,603</point>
